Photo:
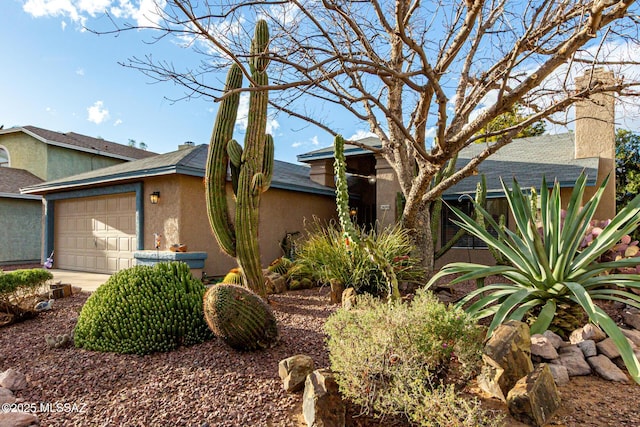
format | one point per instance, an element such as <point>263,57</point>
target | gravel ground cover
<point>212,385</point>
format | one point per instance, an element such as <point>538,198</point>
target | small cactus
<point>240,318</point>
<point>233,277</point>
<point>280,265</point>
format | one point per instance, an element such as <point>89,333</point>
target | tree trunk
<point>418,220</point>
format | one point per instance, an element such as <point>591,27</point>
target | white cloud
<point>63,25</point>
<point>79,10</point>
<point>242,119</point>
<point>361,134</point>
<point>80,71</point>
<point>313,142</point>
<point>117,122</point>
<point>97,113</point>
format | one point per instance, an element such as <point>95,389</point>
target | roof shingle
<point>87,143</point>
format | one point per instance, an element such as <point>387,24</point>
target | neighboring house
<point>31,155</point>
<point>557,157</point>
<point>97,220</point>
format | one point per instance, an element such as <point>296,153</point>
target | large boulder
<point>293,371</point>
<point>534,399</point>
<point>274,282</point>
<point>13,380</point>
<point>507,358</point>
<point>322,405</point>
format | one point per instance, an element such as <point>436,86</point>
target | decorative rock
<point>633,335</point>
<point>588,348</point>
<point>13,380</point>
<point>6,396</point>
<point>322,405</point>
<point>592,332</point>
<point>560,374</point>
<point>571,357</point>
<point>274,282</point>
<point>555,339</point>
<point>608,348</point>
<point>507,358</point>
<point>337,288</point>
<point>587,332</point>
<point>632,317</point>
<point>18,419</point>
<point>535,398</point>
<point>541,346</point>
<point>349,299</point>
<point>607,369</point>
<point>294,370</point>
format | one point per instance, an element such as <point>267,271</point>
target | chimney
<point>187,144</point>
<point>595,136</point>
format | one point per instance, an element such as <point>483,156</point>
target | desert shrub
<point>143,310</point>
<point>390,358</point>
<point>324,255</point>
<point>23,281</point>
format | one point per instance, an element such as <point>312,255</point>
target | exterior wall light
<point>155,197</point>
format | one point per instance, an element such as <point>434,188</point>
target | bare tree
<point>426,76</point>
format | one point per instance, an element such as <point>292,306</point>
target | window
<point>496,207</point>
<point>4,157</point>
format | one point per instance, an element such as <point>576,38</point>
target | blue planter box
<point>195,260</point>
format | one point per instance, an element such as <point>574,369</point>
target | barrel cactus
<point>281,266</point>
<point>240,317</point>
<point>233,277</point>
<point>143,310</point>
<point>251,166</point>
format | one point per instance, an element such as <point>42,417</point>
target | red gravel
<point>206,384</point>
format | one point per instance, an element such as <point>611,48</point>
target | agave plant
<point>548,269</point>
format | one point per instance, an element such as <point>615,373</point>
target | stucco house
<point>562,157</point>
<point>100,221</point>
<point>30,155</point>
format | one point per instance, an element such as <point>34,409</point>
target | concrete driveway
<point>89,282</point>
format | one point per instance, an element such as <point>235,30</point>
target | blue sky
<point>56,76</point>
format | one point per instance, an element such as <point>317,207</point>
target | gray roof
<point>526,159</point>
<point>11,179</point>
<point>76,141</point>
<point>188,161</point>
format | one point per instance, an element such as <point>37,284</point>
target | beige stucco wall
<point>181,217</point>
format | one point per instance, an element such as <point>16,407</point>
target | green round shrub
<point>142,310</point>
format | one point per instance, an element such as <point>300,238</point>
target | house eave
<point>20,196</point>
<point>44,188</point>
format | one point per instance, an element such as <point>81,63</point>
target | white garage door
<point>96,234</point>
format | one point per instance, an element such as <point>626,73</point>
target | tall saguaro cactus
<point>251,166</point>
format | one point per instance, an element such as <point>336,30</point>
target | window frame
<point>496,206</point>
<point>7,163</point>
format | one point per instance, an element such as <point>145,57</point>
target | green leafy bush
<point>22,280</point>
<point>550,270</point>
<point>324,256</point>
<point>144,309</point>
<point>390,358</point>
<point>19,291</point>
